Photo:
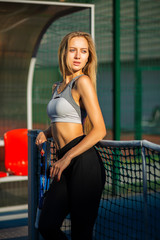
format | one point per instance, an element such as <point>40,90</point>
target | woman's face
<point>78,53</point>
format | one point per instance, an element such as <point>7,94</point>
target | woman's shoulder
<point>83,81</point>
<point>84,85</point>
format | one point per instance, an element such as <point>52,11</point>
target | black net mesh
<point>130,203</point>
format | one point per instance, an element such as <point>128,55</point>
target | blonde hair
<point>90,68</point>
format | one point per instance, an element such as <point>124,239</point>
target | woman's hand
<point>59,166</point>
<point>41,138</point>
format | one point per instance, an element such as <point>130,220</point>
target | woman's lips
<point>76,63</point>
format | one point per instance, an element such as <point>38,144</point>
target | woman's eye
<point>72,50</point>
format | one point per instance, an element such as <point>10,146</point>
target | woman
<point>78,174</point>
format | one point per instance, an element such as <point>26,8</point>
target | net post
<point>144,172</point>
<point>32,184</point>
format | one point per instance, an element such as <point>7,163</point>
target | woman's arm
<point>90,101</point>
<point>43,136</point>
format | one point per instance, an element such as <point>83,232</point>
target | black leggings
<point>78,193</point>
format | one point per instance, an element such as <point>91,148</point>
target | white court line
<point>14,208</point>
<point>13,217</point>
<point>13,179</point>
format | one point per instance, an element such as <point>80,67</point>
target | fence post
<point>138,80</point>
<point>144,172</point>
<point>116,71</point>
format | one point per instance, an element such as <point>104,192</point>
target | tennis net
<point>130,203</point>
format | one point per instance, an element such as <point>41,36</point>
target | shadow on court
<point>119,218</point>
<point>126,218</point>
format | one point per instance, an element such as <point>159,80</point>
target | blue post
<point>33,166</point>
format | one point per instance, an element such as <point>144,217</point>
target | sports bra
<point>63,108</point>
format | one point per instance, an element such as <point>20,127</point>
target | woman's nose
<point>77,54</point>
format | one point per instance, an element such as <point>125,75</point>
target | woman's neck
<point>69,77</point>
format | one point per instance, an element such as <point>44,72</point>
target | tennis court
<point>127,216</point>
<point>116,217</point>
<point>14,222</point>
<point>130,203</point>
<point>121,218</point>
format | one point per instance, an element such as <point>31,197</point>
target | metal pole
<point>92,21</point>
<point>116,70</point>
<point>32,184</point>
<point>116,92</point>
<point>144,171</point>
<point>29,92</point>
<point>138,81</point>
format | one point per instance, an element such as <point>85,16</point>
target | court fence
<point>130,203</point>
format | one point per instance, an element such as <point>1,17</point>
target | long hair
<point>90,69</point>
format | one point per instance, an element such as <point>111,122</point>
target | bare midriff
<point>63,133</point>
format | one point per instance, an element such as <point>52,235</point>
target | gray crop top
<point>63,108</point>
